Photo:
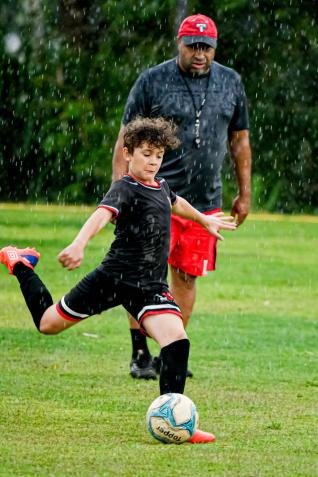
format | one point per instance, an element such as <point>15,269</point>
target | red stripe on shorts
<point>63,315</point>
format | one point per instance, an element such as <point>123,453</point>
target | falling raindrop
<point>12,43</point>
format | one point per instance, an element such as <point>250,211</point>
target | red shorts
<point>192,248</point>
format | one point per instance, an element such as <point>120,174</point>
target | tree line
<point>67,67</point>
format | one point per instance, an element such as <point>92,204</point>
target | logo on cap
<point>198,28</point>
<point>201,26</point>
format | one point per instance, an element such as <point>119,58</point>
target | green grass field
<point>68,406</point>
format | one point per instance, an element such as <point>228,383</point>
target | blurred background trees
<point>67,66</point>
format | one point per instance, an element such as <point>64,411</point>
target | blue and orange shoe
<point>201,437</point>
<point>10,256</point>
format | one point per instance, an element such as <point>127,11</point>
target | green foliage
<point>63,91</point>
<point>63,94</point>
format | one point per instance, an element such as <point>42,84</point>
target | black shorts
<point>98,292</point>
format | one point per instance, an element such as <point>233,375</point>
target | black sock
<point>139,342</point>
<point>174,366</point>
<point>36,295</point>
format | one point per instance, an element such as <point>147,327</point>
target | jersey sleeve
<point>172,195</point>
<point>240,118</point>
<point>138,99</point>
<point>115,198</point>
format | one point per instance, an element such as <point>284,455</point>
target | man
<point>207,102</point>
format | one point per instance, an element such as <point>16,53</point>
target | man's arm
<point>120,166</point>
<point>242,155</point>
<point>212,223</point>
<point>137,105</point>
<point>72,256</point>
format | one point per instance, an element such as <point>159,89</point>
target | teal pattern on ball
<point>172,418</point>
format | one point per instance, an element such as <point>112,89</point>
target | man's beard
<point>197,72</point>
<point>200,72</point>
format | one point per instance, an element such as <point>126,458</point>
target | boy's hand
<point>71,257</point>
<point>213,223</point>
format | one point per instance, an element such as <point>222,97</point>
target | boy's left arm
<point>212,223</point>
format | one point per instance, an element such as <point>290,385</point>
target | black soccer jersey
<point>163,90</point>
<point>138,256</point>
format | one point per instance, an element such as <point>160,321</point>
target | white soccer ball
<point>172,418</point>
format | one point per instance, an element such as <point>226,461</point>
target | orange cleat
<point>10,256</point>
<point>201,437</point>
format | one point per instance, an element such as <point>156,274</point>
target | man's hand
<point>71,257</point>
<point>240,208</point>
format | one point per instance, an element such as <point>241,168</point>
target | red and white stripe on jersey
<point>109,207</point>
<point>156,185</point>
<point>68,314</point>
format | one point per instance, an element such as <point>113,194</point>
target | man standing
<point>207,102</point>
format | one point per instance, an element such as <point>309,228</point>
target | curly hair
<point>157,132</point>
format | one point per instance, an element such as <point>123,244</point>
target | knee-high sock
<point>36,295</point>
<point>174,366</point>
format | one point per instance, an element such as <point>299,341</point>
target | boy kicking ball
<point>134,271</point>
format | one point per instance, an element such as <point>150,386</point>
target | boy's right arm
<point>72,256</point>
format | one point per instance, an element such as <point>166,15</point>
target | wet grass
<point>68,406</point>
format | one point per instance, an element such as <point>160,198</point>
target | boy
<point>133,273</point>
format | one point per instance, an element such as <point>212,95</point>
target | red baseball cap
<point>198,29</point>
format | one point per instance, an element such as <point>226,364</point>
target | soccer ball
<point>172,418</point>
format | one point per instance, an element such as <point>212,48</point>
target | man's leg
<point>183,289</point>
<point>141,366</point>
